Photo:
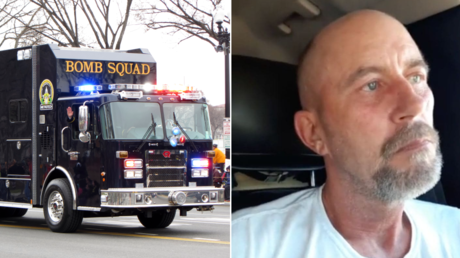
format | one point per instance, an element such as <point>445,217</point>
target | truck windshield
<point>194,119</point>
<point>129,120</point>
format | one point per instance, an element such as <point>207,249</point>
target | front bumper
<point>161,197</point>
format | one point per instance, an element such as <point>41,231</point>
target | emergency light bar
<point>150,87</point>
<point>126,86</point>
<point>131,94</point>
<point>134,91</point>
<point>89,88</point>
<point>185,92</point>
<point>191,95</point>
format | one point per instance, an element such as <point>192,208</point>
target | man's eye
<point>414,79</point>
<point>372,86</point>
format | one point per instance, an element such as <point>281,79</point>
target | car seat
<point>439,41</point>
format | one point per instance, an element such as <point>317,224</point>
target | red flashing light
<point>133,163</point>
<point>129,163</point>
<point>182,139</point>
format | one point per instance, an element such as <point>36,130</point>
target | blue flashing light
<point>200,163</point>
<point>176,131</point>
<point>173,141</point>
<point>88,88</point>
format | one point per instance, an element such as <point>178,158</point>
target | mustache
<point>408,134</point>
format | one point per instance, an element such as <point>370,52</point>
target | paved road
<point>197,235</point>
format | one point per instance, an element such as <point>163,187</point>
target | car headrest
<point>265,101</point>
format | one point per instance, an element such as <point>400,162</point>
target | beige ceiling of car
<point>279,30</point>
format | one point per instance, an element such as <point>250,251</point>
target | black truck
<point>89,133</point>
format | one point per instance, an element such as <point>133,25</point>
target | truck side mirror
<point>84,136</point>
<point>83,118</point>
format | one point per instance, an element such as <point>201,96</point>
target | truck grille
<point>161,171</point>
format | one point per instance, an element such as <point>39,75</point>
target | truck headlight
<point>133,163</point>
<point>200,172</point>
<point>133,174</point>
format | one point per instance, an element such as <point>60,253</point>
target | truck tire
<point>20,212</point>
<point>159,219</point>
<point>57,207</point>
<point>7,212</point>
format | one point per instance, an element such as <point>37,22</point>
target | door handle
<point>62,139</point>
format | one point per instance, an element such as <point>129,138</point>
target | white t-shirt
<point>297,226</point>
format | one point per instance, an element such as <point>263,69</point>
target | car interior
<point>268,160</point>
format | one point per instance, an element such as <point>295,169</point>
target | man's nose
<point>411,101</point>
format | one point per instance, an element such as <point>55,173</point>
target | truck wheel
<point>159,219</point>
<point>20,212</point>
<point>7,212</point>
<point>57,207</point>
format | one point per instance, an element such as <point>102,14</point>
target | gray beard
<point>390,185</point>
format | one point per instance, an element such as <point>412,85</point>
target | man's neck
<point>371,227</point>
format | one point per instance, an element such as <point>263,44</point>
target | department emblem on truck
<point>99,137</point>
<point>46,94</point>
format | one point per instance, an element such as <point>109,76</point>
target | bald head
<point>328,55</point>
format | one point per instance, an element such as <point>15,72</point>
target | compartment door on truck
<point>19,170</point>
<point>19,155</point>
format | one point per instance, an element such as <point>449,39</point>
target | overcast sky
<point>193,61</point>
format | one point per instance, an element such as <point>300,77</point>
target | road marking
<point>126,234</point>
<point>210,239</point>
<point>125,224</point>
<point>156,237</point>
<point>146,234</point>
<point>27,227</point>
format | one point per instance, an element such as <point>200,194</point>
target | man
<point>73,122</point>
<point>70,117</point>
<point>219,159</point>
<point>368,111</point>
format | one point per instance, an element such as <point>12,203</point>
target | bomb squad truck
<point>89,133</point>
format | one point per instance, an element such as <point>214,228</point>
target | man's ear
<point>306,127</point>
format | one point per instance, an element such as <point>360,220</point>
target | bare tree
<point>187,16</point>
<point>65,23</point>
<point>9,11</point>
<point>30,33</point>
<point>62,27</point>
<point>216,117</point>
<point>106,34</point>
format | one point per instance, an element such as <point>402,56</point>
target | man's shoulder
<point>299,200</point>
<point>281,228</point>
<point>433,212</point>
